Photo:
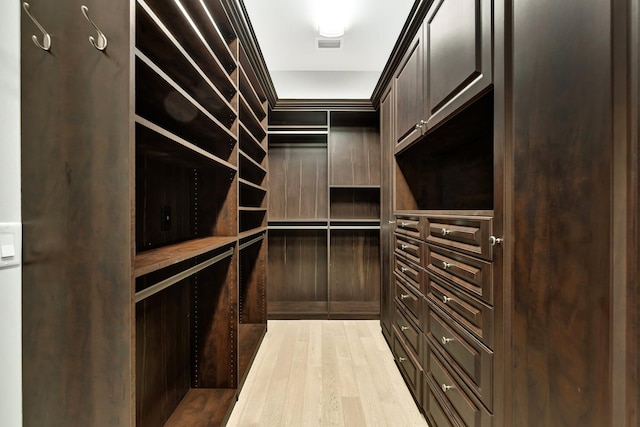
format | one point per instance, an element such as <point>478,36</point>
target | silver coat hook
<point>46,38</point>
<point>101,43</point>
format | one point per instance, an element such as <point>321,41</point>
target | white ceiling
<point>287,31</point>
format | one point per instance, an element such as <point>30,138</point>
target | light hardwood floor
<point>325,373</point>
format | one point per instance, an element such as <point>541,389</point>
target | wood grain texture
<point>354,149</point>
<point>77,319</point>
<point>562,214</point>
<point>409,97</point>
<point>318,373</point>
<point>298,186</point>
<point>297,268</point>
<point>203,407</point>
<point>354,272</point>
<point>386,209</point>
<point>354,203</point>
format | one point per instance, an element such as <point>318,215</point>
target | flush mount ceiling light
<point>331,17</point>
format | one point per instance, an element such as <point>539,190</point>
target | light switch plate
<point>10,244</point>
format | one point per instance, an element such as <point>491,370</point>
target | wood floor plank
<point>317,373</point>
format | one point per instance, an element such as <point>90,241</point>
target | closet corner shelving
<point>324,214</point>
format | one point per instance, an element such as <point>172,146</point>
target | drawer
<point>408,298</point>
<point>408,225</point>
<point>408,365</point>
<point>409,331</point>
<point>434,408</point>
<point>408,248</point>
<point>469,235</point>
<point>471,313</point>
<point>408,271</point>
<point>469,274</point>
<point>472,361</point>
<point>464,406</point>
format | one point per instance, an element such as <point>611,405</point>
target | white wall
<point>325,84</point>
<point>10,279</point>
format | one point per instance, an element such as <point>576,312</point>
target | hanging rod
<point>251,242</point>
<point>164,284</point>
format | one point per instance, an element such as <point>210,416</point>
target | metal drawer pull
<point>445,265</point>
<point>446,299</point>
<point>445,232</point>
<point>403,224</point>
<point>403,328</point>
<point>403,247</point>
<point>418,125</point>
<point>446,340</point>
<point>403,270</point>
<point>392,222</point>
<point>405,296</point>
<point>446,388</point>
<point>493,240</point>
<point>401,359</point>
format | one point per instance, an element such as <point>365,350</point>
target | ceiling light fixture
<point>331,18</point>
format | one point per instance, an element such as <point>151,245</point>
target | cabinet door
<point>409,104</point>
<point>457,55</point>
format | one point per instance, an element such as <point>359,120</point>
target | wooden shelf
<point>250,159</point>
<point>155,259</point>
<point>190,37</point>
<point>249,144</point>
<point>251,75</point>
<point>249,209</point>
<point>250,336</point>
<point>252,232</point>
<point>252,123</point>
<point>252,185</point>
<point>167,145</point>
<point>355,187</point>
<point>203,407</point>
<point>251,96</point>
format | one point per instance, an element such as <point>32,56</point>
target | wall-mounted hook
<point>101,42</point>
<point>46,38</point>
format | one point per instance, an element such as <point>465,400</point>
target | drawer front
<point>472,360</point>
<point>408,364</point>
<point>409,332</point>
<point>474,315</point>
<point>408,248</point>
<point>408,271</point>
<point>434,407</point>
<point>470,274</point>
<point>408,225</point>
<point>408,298</point>
<point>469,235</point>
<point>465,407</point>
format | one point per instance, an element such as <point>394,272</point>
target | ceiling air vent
<point>329,43</point>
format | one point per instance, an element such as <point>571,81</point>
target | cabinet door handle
<point>446,340</point>
<point>493,240</point>
<point>445,232</point>
<point>403,328</point>
<point>446,299</point>
<point>446,388</point>
<point>445,265</point>
<point>401,359</point>
<point>392,222</point>
<point>405,296</point>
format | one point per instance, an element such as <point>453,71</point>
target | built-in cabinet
<point>145,267</point>
<point>324,214</point>
<point>514,187</point>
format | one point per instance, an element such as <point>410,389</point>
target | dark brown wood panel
<point>163,361</point>
<point>214,326</point>
<point>203,407</point>
<point>354,203</point>
<point>298,186</point>
<point>409,103</point>
<point>76,296</point>
<point>250,336</point>
<point>253,283</point>
<point>458,55</point>
<point>354,149</point>
<point>354,275</point>
<point>387,142</point>
<point>297,270</point>
<point>561,338</point>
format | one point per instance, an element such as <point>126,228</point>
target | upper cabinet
<point>408,83</point>
<point>457,55</point>
<point>447,65</point>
